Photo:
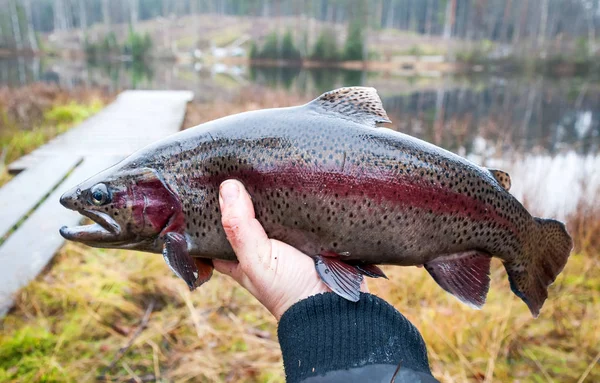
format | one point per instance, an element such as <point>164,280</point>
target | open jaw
<point>104,231</point>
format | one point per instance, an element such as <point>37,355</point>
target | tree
<point>354,47</point>
<point>326,48</point>
<point>133,12</point>
<point>449,18</point>
<point>137,45</point>
<point>505,21</point>
<point>253,52</point>
<point>592,29</point>
<point>16,27</point>
<point>520,23</point>
<point>30,29</point>
<point>105,13</point>
<point>288,49</point>
<point>390,15</point>
<point>61,19</point>
<point>543,24</point>
<point>428,13</point>
<point>82,16</point>
<point>271,48</point>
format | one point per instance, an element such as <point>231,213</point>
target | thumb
<point>245,234</point>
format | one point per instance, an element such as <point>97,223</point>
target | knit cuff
<point>326,332</point>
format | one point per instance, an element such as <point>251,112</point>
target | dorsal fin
<point>359,104</point>
<point>502,177</point>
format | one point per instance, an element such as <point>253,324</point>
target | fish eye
<point>99,194</point>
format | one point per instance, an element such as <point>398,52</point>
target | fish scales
<point>324,179</point>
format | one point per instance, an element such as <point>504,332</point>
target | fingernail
<point>229,191</point>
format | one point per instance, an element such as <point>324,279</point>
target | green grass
<point>16,142</point>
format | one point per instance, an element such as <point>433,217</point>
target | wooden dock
<point>30,214</point>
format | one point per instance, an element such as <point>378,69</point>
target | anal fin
<point>194,271</point>
<point>465,275</point>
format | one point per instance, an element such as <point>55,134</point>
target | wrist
<point>284,303</point>
<point>326,332</point>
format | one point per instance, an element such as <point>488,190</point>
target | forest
<point>544,27</point>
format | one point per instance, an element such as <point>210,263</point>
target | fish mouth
<point>105,230</point>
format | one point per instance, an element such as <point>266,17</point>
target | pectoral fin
<point>194,271</point>
<point>344,278</point>
<point>465,275</point>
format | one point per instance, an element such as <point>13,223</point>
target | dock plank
<point>24,191</point>
<point>134,120</point>
<point>32,246</point>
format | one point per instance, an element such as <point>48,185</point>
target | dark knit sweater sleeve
<point>326,332</point>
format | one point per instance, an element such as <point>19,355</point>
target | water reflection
<point>315,80</point>
<point>546,132</point>
<point>553,186</point>
<point>138,74</point>
<point>521,116</point>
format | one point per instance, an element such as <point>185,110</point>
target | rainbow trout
<point>326,180</point>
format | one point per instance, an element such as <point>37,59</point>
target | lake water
<point>545,132</point>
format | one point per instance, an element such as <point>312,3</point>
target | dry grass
<point>249,98</point>
<point>71,321</point>
<point>32,115</point>
<point>26,107</point>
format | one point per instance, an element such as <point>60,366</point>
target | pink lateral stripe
<point>404,191</point>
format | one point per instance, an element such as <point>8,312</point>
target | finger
<point>364,287</point>
<point>230,268</point>
<point>234,270</point>
<point>245,234</point>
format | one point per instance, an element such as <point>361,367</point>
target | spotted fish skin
<point>324,179</point>
<point>378,195</point>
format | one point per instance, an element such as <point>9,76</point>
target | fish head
<point>130,209</point>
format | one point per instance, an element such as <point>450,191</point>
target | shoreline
<point>405,64</point>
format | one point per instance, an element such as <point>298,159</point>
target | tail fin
<point>545,257</point>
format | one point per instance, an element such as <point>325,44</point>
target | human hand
<point>277,274</point>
